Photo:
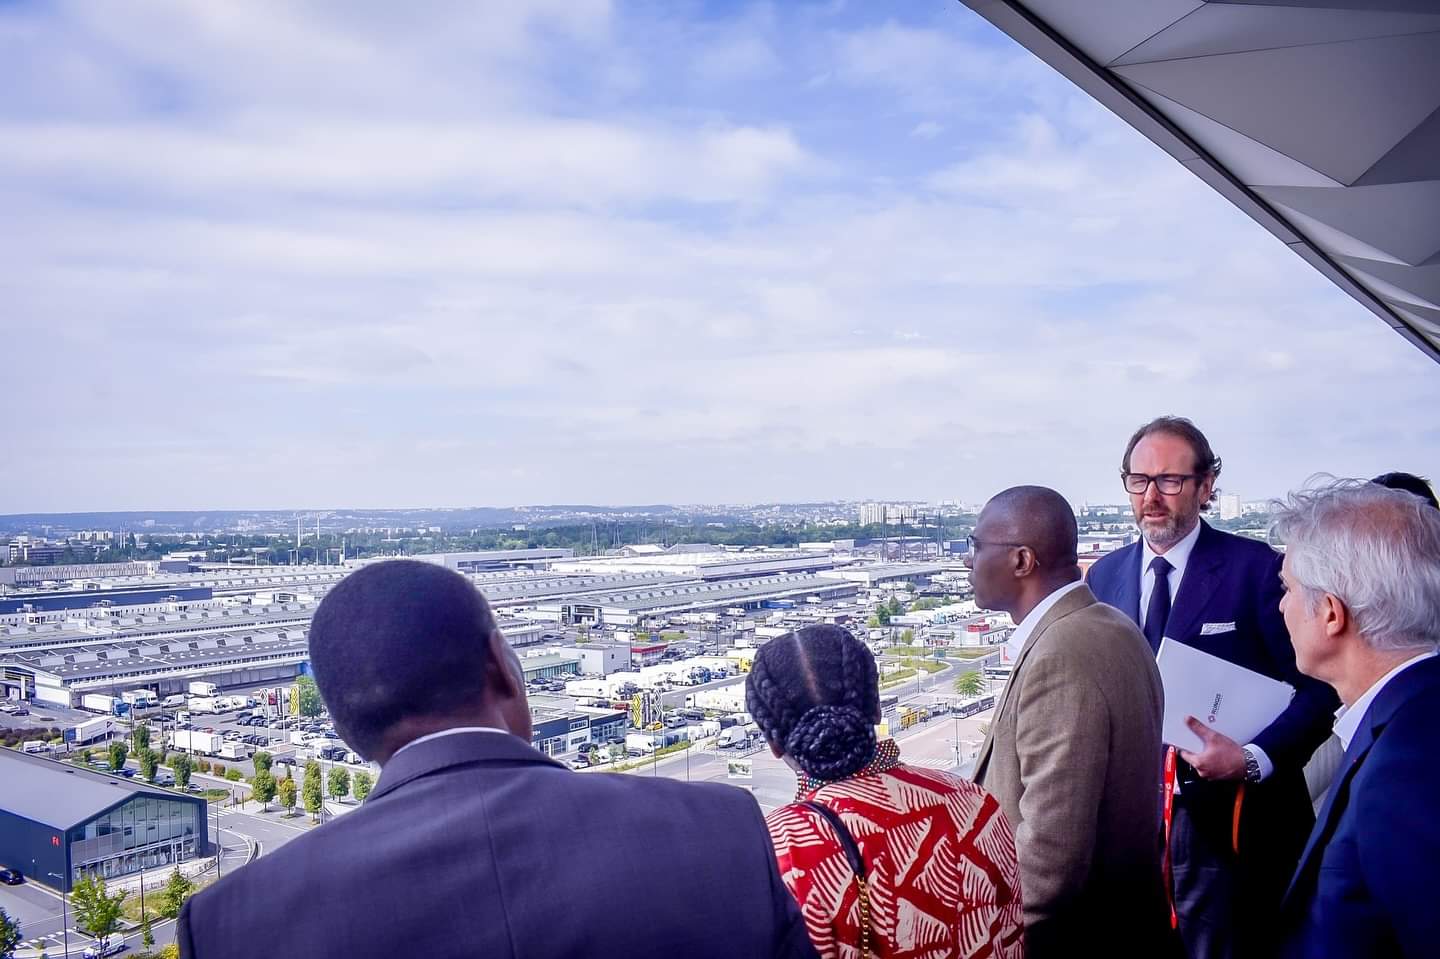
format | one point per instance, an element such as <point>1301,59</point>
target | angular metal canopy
<point>1318,118</point>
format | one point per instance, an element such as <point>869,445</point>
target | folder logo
<point>1215,708</point>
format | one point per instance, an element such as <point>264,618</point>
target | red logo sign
<point>54,840</point>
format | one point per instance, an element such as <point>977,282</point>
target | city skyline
<point>276,257</point>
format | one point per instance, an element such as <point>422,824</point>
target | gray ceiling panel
<point>1252,162</point>
<point>1225,28</point>
<point>1338,107</point>
<point>1105,31</point>
<point>1413,158</point>
<point>1320,119</point>
<point>1402,219</point>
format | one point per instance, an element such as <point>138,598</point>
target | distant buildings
<point>1229,506</point>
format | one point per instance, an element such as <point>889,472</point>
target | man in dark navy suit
<point>473,843</point>
<point>1362,579</point>
<point>1231,849</point>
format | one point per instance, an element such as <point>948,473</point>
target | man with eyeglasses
<point>1073,751</point>
<point>1239,813</point>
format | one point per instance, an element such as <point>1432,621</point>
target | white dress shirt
<point>1347,718</point>
<point>1178,556</point>
<point>1016,642</point>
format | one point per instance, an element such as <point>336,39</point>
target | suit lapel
<point>1334,805</point>
<point>1075,599</point>
<point>1127,600</point>
<point>1201,577</point>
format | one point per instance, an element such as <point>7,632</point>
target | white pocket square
<point>1210,629</point>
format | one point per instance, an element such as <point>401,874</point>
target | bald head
<point>1037,517</point>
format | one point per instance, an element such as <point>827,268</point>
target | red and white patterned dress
<point>940,858</point>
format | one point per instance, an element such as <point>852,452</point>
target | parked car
<point>108,946</point>
<point>11,877</point>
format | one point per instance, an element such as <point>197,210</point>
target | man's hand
<point>1222,757</point>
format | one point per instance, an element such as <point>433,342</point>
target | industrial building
<point>629,607</point>
<point>59,823</point>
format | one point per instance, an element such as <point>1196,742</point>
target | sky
<point>301,255</point>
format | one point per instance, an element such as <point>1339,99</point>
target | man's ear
<point>1335,615</point>
<point>504,673</point>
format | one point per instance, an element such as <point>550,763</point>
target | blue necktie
<point>1158,610</point>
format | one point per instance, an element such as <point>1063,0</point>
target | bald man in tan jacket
<point>1074,753</point>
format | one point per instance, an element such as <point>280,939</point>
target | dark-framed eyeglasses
<point>1168,483</point>
<point>974,544</point>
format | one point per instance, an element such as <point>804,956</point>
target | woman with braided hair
<point>884,859</point>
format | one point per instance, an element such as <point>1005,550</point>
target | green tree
<point>339,782</point>
<point>118,754</point>
<point>147,936</point>
<point>141,735</point>
<point>874,621</point>
<point>362,784</point>
<point>149,764</point>
<point>85,755</point>
<point>882,615</point>
<point>311,790</point>
<point>172,897</point>
<point>9,935</point>
<point>183,767</point>
<point>262,761</point>
<point>171,951</point>
<point>96,911</point>
<point>286,791</point>
<point>970,684</point>
<point>894,607</point>
<point>308,696</point>
<point>907,637</point>
<point>262,789</point>
<point>234,775</point>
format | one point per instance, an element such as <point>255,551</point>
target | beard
<point>1163,532</point>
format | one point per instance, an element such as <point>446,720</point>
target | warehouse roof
<point>60,795</point>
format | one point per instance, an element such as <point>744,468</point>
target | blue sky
<point>282,254</point>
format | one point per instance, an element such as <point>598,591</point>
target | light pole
<point>64,912</point>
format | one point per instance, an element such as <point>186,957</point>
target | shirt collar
<point>449,732</point>
<point>1177,556</point>
<point>1347,718</point>
<point>1017,639</point>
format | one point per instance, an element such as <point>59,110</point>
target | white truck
<point>194,741</point>
<point>174,702</point>
<point>140,698</point>
<point>203,689</point>
<point>228,703</point>
<point>234,750</point>
<point>202,704</point>
<point>90,730</point>
<point>98,703</point>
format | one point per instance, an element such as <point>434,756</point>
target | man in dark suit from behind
<point>473,843</point>
<point>1241,812</point>
<point>1362,581</point>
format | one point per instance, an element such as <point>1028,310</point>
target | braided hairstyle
<point>815,694</point>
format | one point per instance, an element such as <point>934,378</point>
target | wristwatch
<point>1252,765</point>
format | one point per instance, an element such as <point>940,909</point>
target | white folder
<point>1230,699</point>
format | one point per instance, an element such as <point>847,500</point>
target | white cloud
<point>502,272</point>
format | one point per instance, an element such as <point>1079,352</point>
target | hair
<point>398,639</point>
<point>815,693</point>
<point>1375,549</point>
<point>1043,520</point>
<point>1206,462</point>
<point>1410,483</point>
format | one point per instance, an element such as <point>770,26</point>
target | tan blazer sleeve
<point>1062,735</point>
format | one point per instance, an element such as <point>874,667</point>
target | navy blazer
<point>1228,605</point>
<point>475,844</point>
<point>1362,887</point>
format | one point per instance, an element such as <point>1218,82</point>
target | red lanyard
<point>1169,813</point>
